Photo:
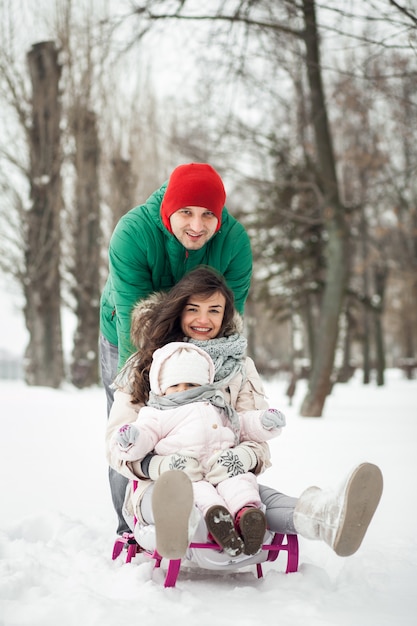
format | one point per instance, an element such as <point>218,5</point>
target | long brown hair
<point>160,324</point>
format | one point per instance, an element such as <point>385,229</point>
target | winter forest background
<point>308,110</point>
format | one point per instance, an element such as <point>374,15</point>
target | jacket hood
<point>161,355</point>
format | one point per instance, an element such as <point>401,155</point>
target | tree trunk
<point>87,242</point>
<point>346,369</point>
<point>309,325</point>
<point>366,344</point>
<point>42,285</point>
<point>250,327</point>
<point>381,275</point>
<point>336,250</point>
<point>122,187</point>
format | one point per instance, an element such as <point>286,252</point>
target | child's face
<point>180,387</point>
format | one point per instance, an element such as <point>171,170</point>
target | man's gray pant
<point>109,356</point>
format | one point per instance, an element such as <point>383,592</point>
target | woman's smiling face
<point>202,317</point>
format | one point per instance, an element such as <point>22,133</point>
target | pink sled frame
<point>287,543</point>
<point>280,542</point>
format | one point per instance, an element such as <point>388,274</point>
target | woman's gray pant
<point>279,507</point>
<point>279,510</point>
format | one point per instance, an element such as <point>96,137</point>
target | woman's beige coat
<point>244,392</point>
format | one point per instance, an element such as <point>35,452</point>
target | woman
<point>199,309</point>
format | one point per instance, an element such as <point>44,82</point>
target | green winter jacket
<point>144,257</point>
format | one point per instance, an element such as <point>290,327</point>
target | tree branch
<point>404,11</point>
<point>236,18</point>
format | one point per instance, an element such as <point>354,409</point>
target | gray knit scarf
<point>227,354</point>
<point>203,393</point>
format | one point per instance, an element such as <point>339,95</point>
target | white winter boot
<point>340,518</point>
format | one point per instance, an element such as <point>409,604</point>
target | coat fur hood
<point>151,303</point>
<point>137,329</point>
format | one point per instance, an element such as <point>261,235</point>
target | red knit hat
<point>193,184</point>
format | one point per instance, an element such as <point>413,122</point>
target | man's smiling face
<point>193,226</point>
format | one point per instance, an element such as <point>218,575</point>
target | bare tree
<point>334,216</point>
<point>87,245</point>
<point>89,85</point>
<point>42,284</point>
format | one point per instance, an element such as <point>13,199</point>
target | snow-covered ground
<point>57,523</point>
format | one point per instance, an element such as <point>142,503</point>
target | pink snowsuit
<point>200,430</point>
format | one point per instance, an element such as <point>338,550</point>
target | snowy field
<point>57,523</point>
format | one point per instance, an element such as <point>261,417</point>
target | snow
<point>57,522</point>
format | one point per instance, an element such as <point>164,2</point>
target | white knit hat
<point>180,362</point>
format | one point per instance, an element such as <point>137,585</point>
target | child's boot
<point>251,523</point>
<point>221,527</point>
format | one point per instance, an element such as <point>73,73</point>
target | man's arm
<point>239,271</point>
<point>131,281</point>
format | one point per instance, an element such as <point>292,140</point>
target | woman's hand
<point>160,464</point>
<point>229,463</point>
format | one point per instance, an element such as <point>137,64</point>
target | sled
<point>203,551</point>
<point>269,552</point>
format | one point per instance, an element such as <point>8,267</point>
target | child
<point>187,414</point>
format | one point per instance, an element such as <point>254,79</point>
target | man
<point>182,225</point>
